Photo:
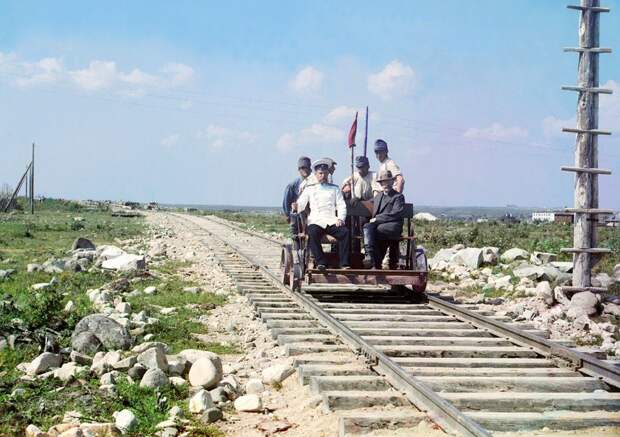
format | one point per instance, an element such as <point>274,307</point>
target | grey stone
<point>43,363</point>
<point>514,254</point>
<point>154,378</point>
<point>151,344</point>
<point>200,402</point>
<point>83,243</point>
<point>80,358</point>
<point>31,268</point>
<point>153,358</point>
<point>470,257</point>
<point>563,266</point>
<point>177,381</point>
<point>126,363</point>
<point>212,415</point>
<point>125,420</point>
<point>544,292</point>
<point>490,255</point>
<point>254,386</point>
<point>68,371</point>
<point>219,394</point>
<point>616,273</point>
<point>178,366</point>
<point>277,373</point>
<point>249,403</point>
<point>539,258</point>
<point>109,332</point>
<point>204,373</point>
<point>86,342</point>
<point>125,263</point>
<point>137,371</point>
<point>582,303</point>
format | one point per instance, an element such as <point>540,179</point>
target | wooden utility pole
<point>32,182</point>
<point>586,209</point>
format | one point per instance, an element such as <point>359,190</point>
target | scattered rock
<point>490,255</point>
<point>110,333</point>
<point>249,403</point>
<point>200,402</point>
<point>68,371</point>
<point>86,342</point>
<point>43,363</point>
<point>212,415</point>
<point>470,257</point>
<point>150,290</point>
<point>582,303</point>
<point>33,431</point>
<point>125,263</point>
<point>193,290</point>
<point>83,243</point>
<point>539,258</point>
<point>177,381</point>
<point>514,254</point>
<point>616,273</point>
<point>125,420</point>
<point>137,372</point>
<point>254,386</point>
<point>154,358</point>
<point>277,374</point>
<point>544,292</point>
<point>204,373</point>
<point>154,378</point>
<point>150,344</point>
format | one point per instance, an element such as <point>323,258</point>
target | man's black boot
<point>369,259</point>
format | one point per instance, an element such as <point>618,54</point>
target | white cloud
<point>218,137</point>
<point>46,70</point>
<point>178,74</point>
<point>396,78</point>
<point>307,80</point>
<point>496,132</point>
<point>341,114</point>
<point>98,75</point>
<point>318,133</point>
<point>171,140</point>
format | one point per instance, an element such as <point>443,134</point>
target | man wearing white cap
<point>327,213</point>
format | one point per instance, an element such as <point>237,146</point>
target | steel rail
<point>421,395</point>
<point>579,361</point>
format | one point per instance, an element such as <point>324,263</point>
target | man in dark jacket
<point>386,224</point>
<point>292,192</point>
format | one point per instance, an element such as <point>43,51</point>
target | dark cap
<point>303,162</point>
<point>322,164</point>
<point>361,161</point>
<point>380,146</point>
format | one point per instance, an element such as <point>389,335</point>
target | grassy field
<point>49,233</point>
<point>549,237</point>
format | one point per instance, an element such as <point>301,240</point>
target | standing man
<point>292,192</point>
<point>365,185</point>
<point>388,164</point>
<point>327,213</point>
<point>386,224</point>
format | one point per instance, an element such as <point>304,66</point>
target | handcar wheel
<point>286,261</point>
<point>296,277</point>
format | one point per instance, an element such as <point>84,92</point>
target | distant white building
<point>427,216</point>
<point>543,216</point>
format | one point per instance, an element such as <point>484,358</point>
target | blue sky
<point>212,102</point>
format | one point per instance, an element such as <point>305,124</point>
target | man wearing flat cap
<point>386,163</point>
<point>364,182</point>
<point>386,224</point>
<point>327,214</point>
<point>293,190</point>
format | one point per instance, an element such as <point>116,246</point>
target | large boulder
<point>200,402</point>
<point>563,266</point>
<point>154,378</point>
<point>125,263</point>
<point>616,273</point>
<point>441,257</point>
<point>154,358</point>
<point>277,373</point>
<point>470,257</point>
<point>583,303</point>
<point>544,292</point>
<point>540,258</point>
<point>514,254</point>
<point>249,403</point>
<point>110,333</point>
<point>527,271</point>
<point>86,342</point>
<point>193,355</point>
<point>83,243</point>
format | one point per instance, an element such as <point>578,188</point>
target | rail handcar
<point>297,264</point>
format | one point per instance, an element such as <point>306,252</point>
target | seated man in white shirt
<point>327,213</point>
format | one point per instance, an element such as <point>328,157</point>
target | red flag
<point>353,132</point>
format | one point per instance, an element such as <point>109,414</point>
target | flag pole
<point>366,133</point>
<point>352,147</point>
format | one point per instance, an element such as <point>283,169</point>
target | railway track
<point>366,348</point>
